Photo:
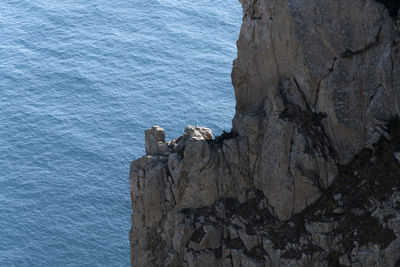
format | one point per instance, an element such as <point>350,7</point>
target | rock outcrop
<point>309,174</point>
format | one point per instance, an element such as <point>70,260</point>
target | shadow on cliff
<point>392,5</point>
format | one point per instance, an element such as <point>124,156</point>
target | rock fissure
<point>309,123</point>
<point>348,53</point>
<point>330,70</point>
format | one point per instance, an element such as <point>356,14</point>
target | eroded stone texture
<point>182,219</point>
<point>315,82</point>
<point>321,77</point>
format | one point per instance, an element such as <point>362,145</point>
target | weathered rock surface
<point>316,81</point>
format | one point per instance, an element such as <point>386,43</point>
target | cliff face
<point>316,81</point>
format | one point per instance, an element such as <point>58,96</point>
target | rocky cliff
<point>309,174</point>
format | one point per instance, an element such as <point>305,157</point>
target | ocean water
<point>80,81</point>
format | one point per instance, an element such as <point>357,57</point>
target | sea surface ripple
<point>80,81</point>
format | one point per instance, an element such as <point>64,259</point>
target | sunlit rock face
<point>316,81</point>
<point>320,78</point>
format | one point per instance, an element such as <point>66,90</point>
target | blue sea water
<point>80,81</point>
